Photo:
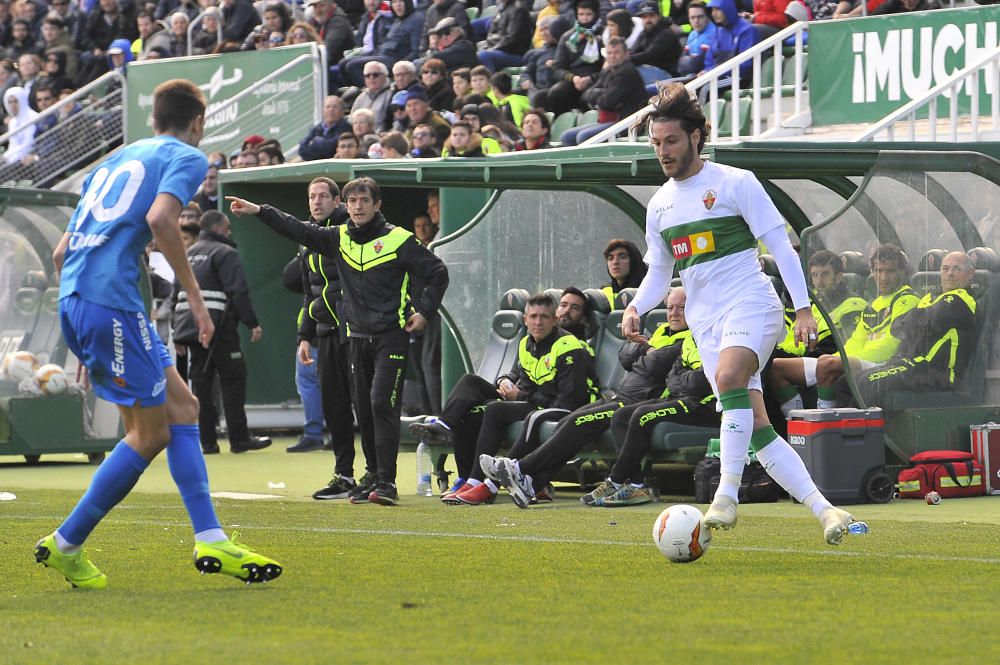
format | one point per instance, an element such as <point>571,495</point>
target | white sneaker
<point>835,522</point>
<point>722,513</point>
<point>491,466</point>
<point>518,484</point>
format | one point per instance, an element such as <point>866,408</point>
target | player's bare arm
<point>59,253</point>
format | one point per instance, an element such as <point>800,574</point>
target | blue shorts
<point>124,355</point>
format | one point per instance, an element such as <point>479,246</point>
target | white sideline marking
<point>565,541</point>
<point>244,496</point>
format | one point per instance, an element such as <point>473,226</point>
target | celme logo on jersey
<point>692,245</point>
<point>118,344</point>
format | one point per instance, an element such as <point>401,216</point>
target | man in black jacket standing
<point>217,267</point>
<point>391,286</point>
<point>657,46</point>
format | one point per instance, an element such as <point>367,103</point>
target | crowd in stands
<point>490,69</point>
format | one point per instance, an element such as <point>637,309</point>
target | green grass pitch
<point>424,582</point>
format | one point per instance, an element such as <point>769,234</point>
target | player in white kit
<point>707,219</point>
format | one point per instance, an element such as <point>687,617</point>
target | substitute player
<point>707,218</point>
<point>133,196</point>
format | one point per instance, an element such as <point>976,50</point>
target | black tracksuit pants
<point>225,360</point>
<point>335,388</point>
<point>575,432</point>
<point>633,426</point>
<point>379,365</point>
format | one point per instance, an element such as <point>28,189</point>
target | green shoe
<point>76,568</point>
<point>626,495</point>
<point>595,498</point>
<point>231,558</point>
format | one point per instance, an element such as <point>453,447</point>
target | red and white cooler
<point>986,449</point>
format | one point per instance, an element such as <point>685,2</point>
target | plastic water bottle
<point>858,528</point>
<point>424,470</point>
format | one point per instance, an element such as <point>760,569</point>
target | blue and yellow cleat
<point>231,558</point>
<point>76,568</point>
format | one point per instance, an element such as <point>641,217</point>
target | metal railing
<point>91,124</point>
<point>197,20</point>
<point>948,93</point>
<point>728,75</point>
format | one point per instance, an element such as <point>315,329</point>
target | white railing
<point>728,74</point>
<point>197,20</point>
<point>947,92</point>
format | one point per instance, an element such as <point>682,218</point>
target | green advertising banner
<point>246,94</point>
<point>860,70</point>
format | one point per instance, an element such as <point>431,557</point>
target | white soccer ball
<point>52,379</point>
<point>680,535</point>
<point>19,365</point>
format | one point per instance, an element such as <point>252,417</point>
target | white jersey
<point>709,224</point>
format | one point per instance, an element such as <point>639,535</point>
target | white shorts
<point>747,326</point>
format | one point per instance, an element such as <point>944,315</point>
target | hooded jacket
<point>402,42</point>
<point>64,45</point>
<point>731,39</point>
<point>21,143</point>
<point>636,272</point>
<point>126,47</point>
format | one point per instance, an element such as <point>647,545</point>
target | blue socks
<point>112,482</point>
<point>187,466</point>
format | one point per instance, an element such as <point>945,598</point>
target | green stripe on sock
<point>735,399</point>
<point>786,393</point>
<point>826,392</point>
<point>762,437</point>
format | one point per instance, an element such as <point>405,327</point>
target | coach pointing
<point>391,286</point>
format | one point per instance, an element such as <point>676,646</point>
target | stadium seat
<point>471,12</point>
<point>726,121</point>
<point>931,260</point>
<point>856,271</point>
<point>653,319</point>
<point>506,332</point>
<point>788,70</point>
<point>587,118</point>
<point>599,308</point>
<point>489,11</point>
<point>985,258</point>
<point>624,297</point>
<point>609,371</point>
<point>563,122</point>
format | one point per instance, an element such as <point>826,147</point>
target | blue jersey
<point>108,230</point>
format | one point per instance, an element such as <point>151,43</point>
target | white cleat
<point>721,514</point>
<point>835,522</point>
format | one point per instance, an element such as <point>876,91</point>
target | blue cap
<point>399,99</point>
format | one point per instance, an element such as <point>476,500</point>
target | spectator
<point>302,33</point>
<point>238,20</point>
<point>768,17</point>
<point>246,159</point>
<point>220,274</point>
<point>463,142</point>
<point>658,49</point>
<point>374,26</point>
<point>437,11</point>
<point>401,44</point>
<point>699,40</point>
<point>166,8</point>
<point>479,79</point>
<point>362,123</point>
<point>397,112</point>
<point>616,94</point>
<point>277,21</point>
<point>217,160</point>
<point>433,75</point>
<point>624,25</point>
<point>461,85</point>
<point>904,6</point>
<point>206,36</point>
<point>404,75</point>
<point>423,143</point>
<point>376,95</point>
<point>21,144</point>
<point>394,145</point>
<point>151,35</point>
<point>551,8</point>
<point>509,36</point>
<point>419,112</point>
<point>103,26</point>
<point>321,141</point>
<point>45,146</point>
<point>424,229</point>
<point>733,35</point>
<point>451,47</point>
<point>538,76</point>
<point>54,73</point>
<point>8,75</point>
<point>22,41</point>
<point>333,27</point>
<point>179,23</point>
<point>269,154</point>
<point>508,132</point>
<point>29,67</point>
<point>207,196</point>
<point>578,61</point>
<point>625,268</point>
<point>513,106</point>
<point>347,146</point>
<point>58,41</point>
<point>535,127</point>
<point>73,20</point>
<point>28,10</point>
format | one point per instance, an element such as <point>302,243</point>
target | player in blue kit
<point>133,196</point>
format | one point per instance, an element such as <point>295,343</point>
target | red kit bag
<point>950,473</point>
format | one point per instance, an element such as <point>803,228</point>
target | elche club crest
<point>709,198</point>
<point>378,246</point>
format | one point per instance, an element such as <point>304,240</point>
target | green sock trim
<point>786,393</point>
<point>826,392</point>
<point>735,399</point>
<point>761,438</point>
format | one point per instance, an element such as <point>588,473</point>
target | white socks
<point>737,425</point>
<point>783,464</point>
<point>792,404</point>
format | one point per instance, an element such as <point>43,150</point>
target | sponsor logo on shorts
<point>693,245</point>
<point>118,345</point>
<point>737,333</point>
<point>147,343</point>
<point>396,356</point>
<point>79,240</point>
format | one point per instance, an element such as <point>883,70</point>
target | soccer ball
<point>19,365</point>
<point>680,535</point>
<point>52,379</point>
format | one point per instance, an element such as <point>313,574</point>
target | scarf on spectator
<point>583,36</point>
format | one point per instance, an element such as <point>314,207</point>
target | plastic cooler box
<point>844,451</point>
<point>986,448</point>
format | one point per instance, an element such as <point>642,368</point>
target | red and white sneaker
<point>544,495</point>
<point>449,496</point>
<point>477,495</point>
